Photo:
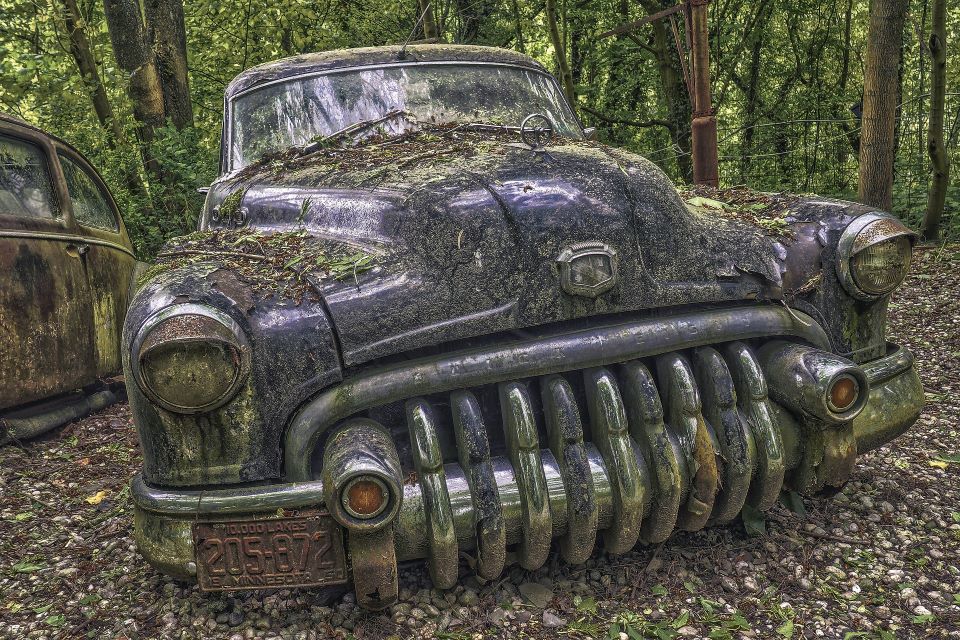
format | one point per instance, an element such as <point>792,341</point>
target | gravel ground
<point>879,560</point>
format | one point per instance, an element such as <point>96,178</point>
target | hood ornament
<point>536,131</point>
<point>587,269</point>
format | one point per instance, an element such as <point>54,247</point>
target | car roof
<point>9,118</point>
<point>311,63</point>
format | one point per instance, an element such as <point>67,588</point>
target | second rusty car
<point>426,316</point>
<point>66,266</point>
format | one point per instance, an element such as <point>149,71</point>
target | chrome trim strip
<point>232,500</point>
<point>382,65</point>
<point>64,237</point>
<point>898,360</point>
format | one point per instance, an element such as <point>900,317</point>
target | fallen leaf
<point>700,201</point>
<point>83,461</point>
<point>939,464</point>
<point>97,498</point>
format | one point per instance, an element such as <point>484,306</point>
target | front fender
<point>293,355</point>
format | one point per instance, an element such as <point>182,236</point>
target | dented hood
<point>468,242</point>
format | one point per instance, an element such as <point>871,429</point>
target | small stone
<point>536,594</point>
<point>688,631</point>
<point>468,598</point>
<point>498,616</point>
<point>921,610</point>
<point>553,621</point>
<point>729,584</point>
<point>750,584</point>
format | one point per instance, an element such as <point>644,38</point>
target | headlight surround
<point>190,358</point>
<point>874,256</point>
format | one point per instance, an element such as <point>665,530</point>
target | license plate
<point>263,554</point>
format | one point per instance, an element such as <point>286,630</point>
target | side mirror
<point>590,133</point>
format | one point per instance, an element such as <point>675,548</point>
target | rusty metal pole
<point>704,125</point>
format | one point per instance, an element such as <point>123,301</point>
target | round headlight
<point>881,267</point>
<point>874,256</point>
<point>190,359</point>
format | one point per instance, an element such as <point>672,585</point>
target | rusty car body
<point>66,265</point>
<point>412,326</point>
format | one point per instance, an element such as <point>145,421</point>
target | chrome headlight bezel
<point>865,231</point>
<point>215,326</point>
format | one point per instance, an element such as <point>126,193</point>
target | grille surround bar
<point>592,347</point>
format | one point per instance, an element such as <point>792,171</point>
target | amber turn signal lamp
<point>843,394</point>
<point>365,497</point>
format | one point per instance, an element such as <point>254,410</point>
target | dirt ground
<point>880,560</point>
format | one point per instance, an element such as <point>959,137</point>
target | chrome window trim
<point>228,111</point>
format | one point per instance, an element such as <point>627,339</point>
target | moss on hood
<point>280,264</point>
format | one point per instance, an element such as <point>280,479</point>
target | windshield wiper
<point>484,126</point>
<point>354,128</point>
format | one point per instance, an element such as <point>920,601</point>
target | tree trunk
<point>429,24</point>
<point>167,36</point>
<point>755,41</point>
<point>675,93</point>
<point>566,77</point>
<point>518,27</point>
<point>136,58</point>
<point>880,89</point>
<point>939,161</point>
<point>83,55</point>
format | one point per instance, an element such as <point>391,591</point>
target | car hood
<point>467,241</point>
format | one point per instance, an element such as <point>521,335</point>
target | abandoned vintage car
<point>425,316</point>
<point>66,266</point>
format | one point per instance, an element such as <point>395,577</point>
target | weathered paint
<point>64,294</point>
<point>465,299</point>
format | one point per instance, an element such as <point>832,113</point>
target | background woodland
<point>138,87</point>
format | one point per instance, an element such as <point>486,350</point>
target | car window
<point>25,186</point>
<point>91,206</point>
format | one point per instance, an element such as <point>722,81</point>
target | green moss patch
<point>284,264</point>
<point>767,211</point>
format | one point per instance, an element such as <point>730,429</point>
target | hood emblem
<point>588,269</point>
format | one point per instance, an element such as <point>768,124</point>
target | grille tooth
<point>650,467</point>
<point>753,403</point>
<point>523,451</point>
<point>661,450</point>
<point>737,449</point>
<point>474,452</point>
<point>565,433</point>
<point>428,461</point>
<point>678,385</point>
<point>625,468</point>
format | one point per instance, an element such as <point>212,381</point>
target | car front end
<point>363,362</point>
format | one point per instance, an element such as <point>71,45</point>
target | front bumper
<point>640,496</point>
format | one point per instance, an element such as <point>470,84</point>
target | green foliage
<point>785,76</point>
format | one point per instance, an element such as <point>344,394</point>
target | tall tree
<point>880,97</point>
<point>86,64</point>
<point>939,161</point>
<point>560,52</point>
<point>675,92</point>
<point>429,23</point>
<point>167,36</point>
<point>136,58</point>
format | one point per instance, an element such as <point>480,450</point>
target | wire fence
<point>819,155</point>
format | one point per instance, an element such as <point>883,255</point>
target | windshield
<point>299,111</point>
